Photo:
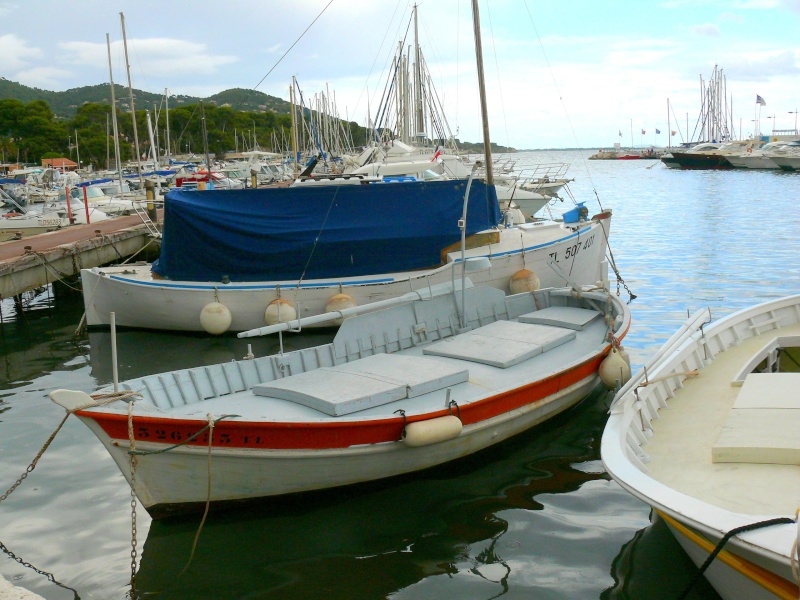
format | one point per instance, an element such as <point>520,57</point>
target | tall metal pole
<point>114,117</point>
<point>133,110</point>
<point>205,142</point>
<point>78,148</point>
<point>294,126</point>
<point>169,150</point>
<point>418,118</point>
<point>476,24</point>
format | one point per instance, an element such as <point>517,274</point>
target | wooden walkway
<point>35,261</point>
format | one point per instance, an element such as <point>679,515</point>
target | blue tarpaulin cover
<point>313,232</point>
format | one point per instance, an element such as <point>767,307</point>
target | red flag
<point>643,132</point>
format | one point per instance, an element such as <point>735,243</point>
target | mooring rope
<point>181,443</point>
<point>211,423</point>
<point>724,540</point>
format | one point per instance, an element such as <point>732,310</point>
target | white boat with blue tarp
<point>235,260</point>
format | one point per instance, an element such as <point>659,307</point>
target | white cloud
<point>46,78</point>
<point>6,8</point>
<point>792,5</point>
<point>16,52</point>
<point>149,56</point>
<point>760,65</point>
<point>706,29</point>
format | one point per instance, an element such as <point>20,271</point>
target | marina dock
<point>36,261</point>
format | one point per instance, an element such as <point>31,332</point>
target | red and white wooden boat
<point>398,390</point>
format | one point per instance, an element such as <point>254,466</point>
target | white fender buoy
<point>287,312</point>
<point>625,356</point>
<point>524,281</point>
<point>432,431</point>
<point>613,369</point>
<point>215,318</point>
<point>339,302</point>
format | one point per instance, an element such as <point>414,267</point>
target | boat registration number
<point>49,222</point>
<point>570,252</point>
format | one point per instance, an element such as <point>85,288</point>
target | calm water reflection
<point>534,517</point>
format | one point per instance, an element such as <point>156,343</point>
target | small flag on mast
<point>760,100</point>
<point>643,132</point>
<point>620,134</point>
<point>673,132</point>
<point>658,131</point>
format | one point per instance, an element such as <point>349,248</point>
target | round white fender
<point>524,280</point>
<point>614,368</point>
<point>339,302</point>
<point>215,318</point>
<point>432,431</point>
<point>279,311</point>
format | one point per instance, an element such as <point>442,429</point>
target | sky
<point>574,73</point>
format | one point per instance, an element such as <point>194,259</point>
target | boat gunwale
<point>333,432</point>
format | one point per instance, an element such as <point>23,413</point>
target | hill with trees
<point>35,123</point>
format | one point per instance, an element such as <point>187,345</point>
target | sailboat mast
<point>669,128</point>
<point>294,126</point>
<point>114,117</point>
<point>169,150</point>
<point>108,144</point>
<point>487,147</point>
<point>77,148</point>
<point>418,119</point>
<point>153,145</point>
<point>133,110</point>
<point>205,141</point>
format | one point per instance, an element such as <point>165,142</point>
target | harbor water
<point>535,517</point>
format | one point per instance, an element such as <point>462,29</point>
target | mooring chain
<point>105,399</point>
<point>49,576</point>
<point>32,466</point>
<point>133,462</point>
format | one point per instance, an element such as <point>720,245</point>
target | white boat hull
<point>171,482</point>
<point>396,391</point>
<point>700,499</point>
<point>550,251</point>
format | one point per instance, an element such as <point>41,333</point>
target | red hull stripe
<point>333,434</point>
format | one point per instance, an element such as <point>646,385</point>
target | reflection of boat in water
<point>31,331</point>
<point>653,560</point>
